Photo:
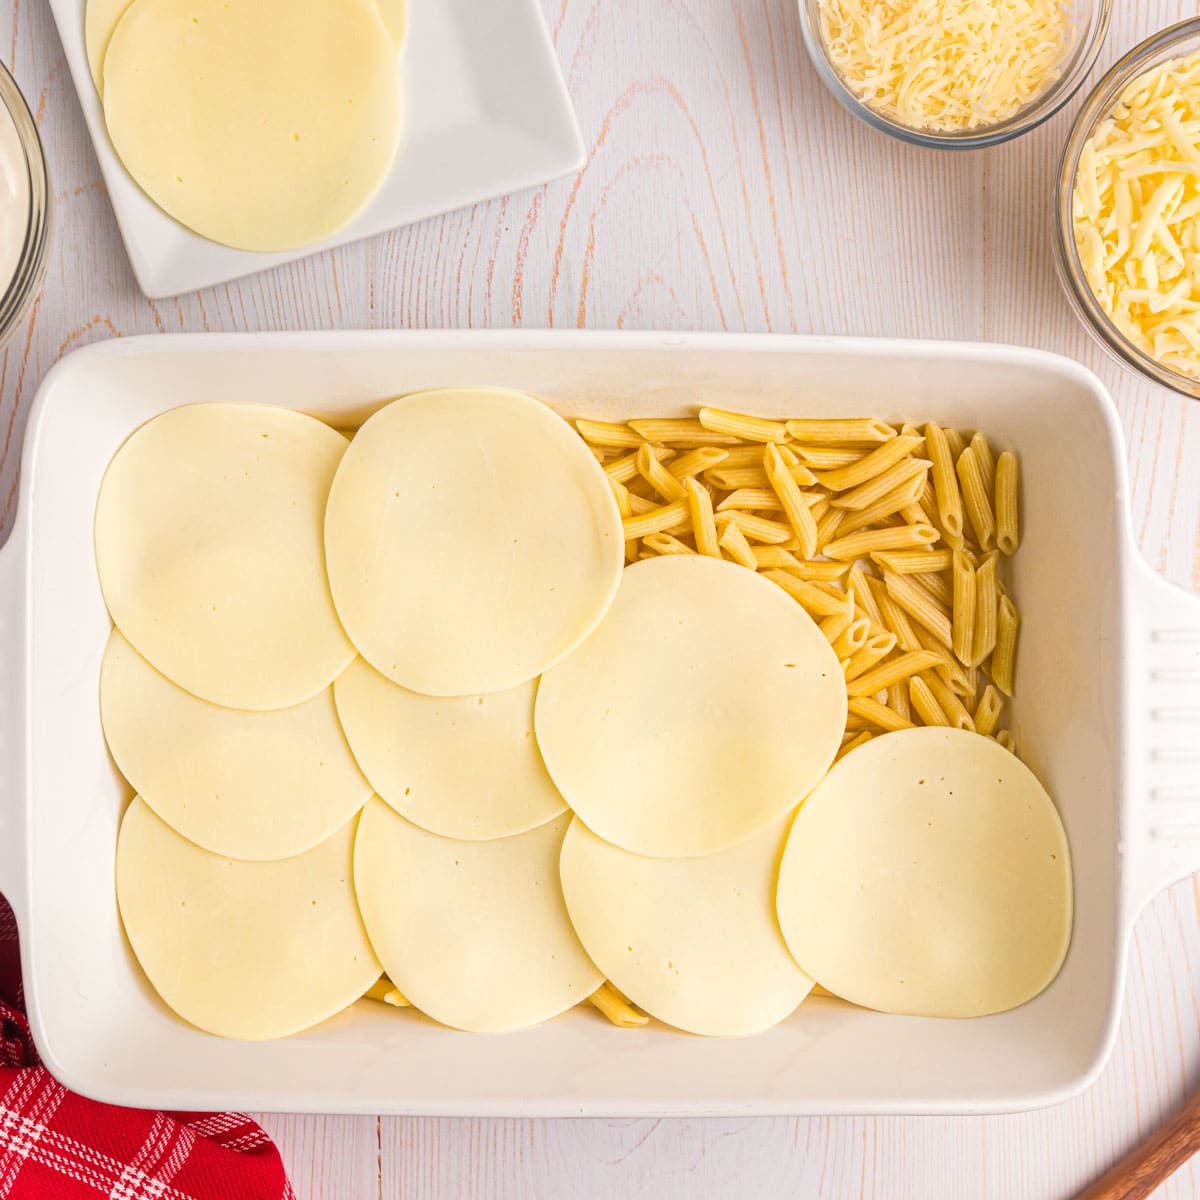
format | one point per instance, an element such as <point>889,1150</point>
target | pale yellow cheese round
<point>210,554</point>
<point>261,124</point>
<point>395,17</point>
<point>928,874</point>
<point>461,766</point>
<point>693,941</point>
<point>243,950</point>
<point>705,705</point>
<point>473,540</point>
<point>475,934</point>
<point>250,785</point>
<point>100,18</point>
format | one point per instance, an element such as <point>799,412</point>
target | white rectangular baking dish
<point>1109,702</point>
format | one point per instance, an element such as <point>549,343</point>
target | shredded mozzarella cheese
<point>1137,214</point>
<point>947,65</point>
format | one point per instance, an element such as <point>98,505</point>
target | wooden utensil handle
<point>1147,1166</point>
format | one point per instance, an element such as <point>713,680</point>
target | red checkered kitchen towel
<point>55,1145</point>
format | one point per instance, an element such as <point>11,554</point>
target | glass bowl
<point>1174,42</point>
<point>1090,20</point>
<point>25,185</point>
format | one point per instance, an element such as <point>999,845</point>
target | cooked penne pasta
<point>852,639</point>
<point>897,699</point>
<point>775,556</point>
<point>828,525</point>
<point>867,467</point>
<point>859,545</point>
<point>696,461</point>
<point>924,703</point>
<point>833,627</point>
<point>733,541</point>
<point>883,676</point>
<point>657,476</point>
<point>840,433</point>
<point>879,715</point>
<point>889,505</point>
<point>956,714</point>
<point>820,458</point>
<point>959,679</point>
<point>986,460</point>
<point>763,499</point>
<point>975,498</point>
<point>760,529</point>
<point>680,431</point>
<point>854,743</point>
<point>864,599</point>
<point>738,425</point>
<point>955,440</point>
<point>668,518</point>
<point>872,652</point>
<point>895,618</point>
<point>1008,524</point>
<point>793,504</point>
<point>600,454</point>
<point>810,597</point>
<point>1004,656</point>
<point>907,430</point>
<point>1007,739</point>
<point>639,504</point>
<point>894,478</point>
<point>744,456</point>
<point>625,508</point>
<point>623,469</point>
<point>704,523</point>
<point>608,434</point>
<point>383,989</point>
<point>962,608</point>
<point>988,711</point>
<point>987,603</point>
<point>730,479</point>
<point>617,1007</point>
<point>666,543</point>
<point>919,605</point>
<point>938,589</point>
<point>945,485</point>
<point>913,562</point>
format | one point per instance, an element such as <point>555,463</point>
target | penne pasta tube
<point>875,463</point>
<point>938,588</point>
<point>623,469</point>
<point>956,714</point>
<point>840,433</point>
<point>883,676</point>
<point>607,1000</point>
<point>925,704</point>
<point>668,518</point>
<point>889,505</point>
<point>873,713</point>
<point>988,711</point>
<point>833,627</point>
<point>764,499</point>
<point>975,498</point>
<point>914,562</point>
<point>704,524</point>
<point>744,456</point>
<point>793,504</point>
<point>679,431</point>
<point>907,430</point>
<point>961,680</point>
<point>852,639</point>
<point>872,652</point>
<point>914,514</point>
<point>897,700</point>
<point>1004,656</point>
<point>1007,739</point>
<point>854,743</point>
<point>759,529</point>
<point>639,504</point>
<point>383,989</point>
<point>871,492</point>
<point>733,541</point>
<point>895,618</point>
<point>819,458</point>
<point>903,537</point>
<point>955,440</point>
<point>738,425</point>
<point>696,461</point>
<point>828,524</point>
<point>919,605</point>
<point>657,476</point>
<point>808,595</point>
<point>1008,526</point>
<point>608,434</point>
<point>825,572</point>
<point>987,604</point>
<point>945,485</point>
<point>986,460</point>
<point>730,479</point>
<point>962,608</point>
<point>666,543</point>
<point>864,599</point>
<point>625,508</point>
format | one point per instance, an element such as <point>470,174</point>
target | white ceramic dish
<point>485,112</point>
<point>1109,703</point>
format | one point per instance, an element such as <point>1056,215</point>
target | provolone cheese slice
<point>475,934</point>
<point>705,705</point>
<point>99,20</point>
<point>261,124</point>
<point>243,950</point>
<point>248,785</point>
<point>693,941</point>
<point>928,874</point>
<point>211,560</point>
<point>462,766</point>
<point>473,540</point>
<point>395,17</point>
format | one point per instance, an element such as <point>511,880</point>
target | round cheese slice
<point>475,934</point>
<point>705,705</point>
<point>211,559</point>
<point>100,18</point>
<point>261,124</point>
<point>693,941</point>
<point>245,784</point>
<point>928,874</point>
<point>473,540</point>
<point>395,17</point>
<point>243,950</point>
<point>460,766</point>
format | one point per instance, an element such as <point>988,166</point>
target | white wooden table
<point>724,190</point>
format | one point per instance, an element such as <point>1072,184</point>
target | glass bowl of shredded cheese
<point>954,74</point>
<point>1129,210</point>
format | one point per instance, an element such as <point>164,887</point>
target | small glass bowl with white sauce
<point>1087,24</point>
<point>24,208</point>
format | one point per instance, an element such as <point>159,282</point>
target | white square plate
<point>486,112</point>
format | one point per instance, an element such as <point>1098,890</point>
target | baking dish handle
<point>12,718</point>
<point>1164,843</point>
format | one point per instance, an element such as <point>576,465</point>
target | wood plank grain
<point>724,189</point>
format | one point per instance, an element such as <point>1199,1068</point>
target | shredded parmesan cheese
<point>947,65</point>
<point>1137,214</point>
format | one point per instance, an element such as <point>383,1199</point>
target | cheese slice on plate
<point>211,559</point>
<point>928,874</point>
<point>461,766</point>
<point>705,705</point>
<point>475,934</point>
<point>243,950</point>
<point>251,785</point>
<point>693,941</point>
